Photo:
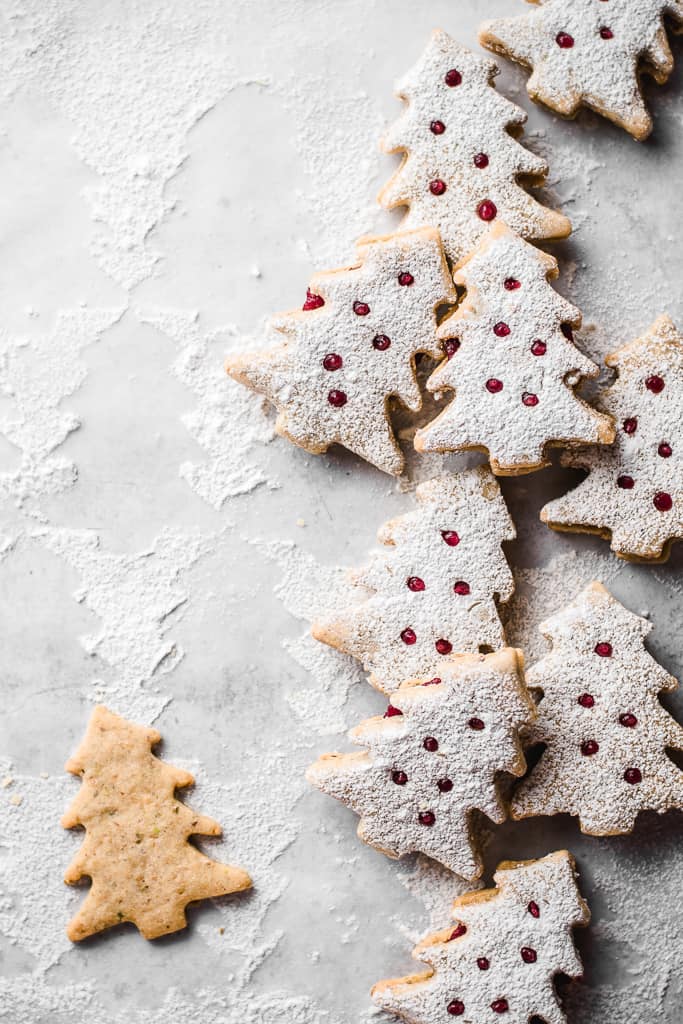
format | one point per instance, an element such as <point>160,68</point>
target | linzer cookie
<point>590,53</point>
<point>434,758</point>
<point>432,589</point>
<point>511,362</point>
<point>353,346</point>
<point>633,494</point>
<point>500,959</point>
<point>136,849</point>
<point>605,732</point>
<point>463,163</point>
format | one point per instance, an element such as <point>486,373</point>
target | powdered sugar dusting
<point>459,153</point>
<point>425,770</point>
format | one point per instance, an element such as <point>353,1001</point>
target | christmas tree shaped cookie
<point>605,732</point>
<point>435,759</point>
<point>463,164</point>
<point>634,491</point>
<point>590,52</point>
<point>352,348</point>
<point>136,851</point>
<point>511,362</point>
<point>503,954</point>
<point>432,590</point>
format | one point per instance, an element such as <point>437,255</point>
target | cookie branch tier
<point>463,165</point>
<point>633,494</point>
<point>351,350</point>
<point>499,960</point>
<point>511,360</point>
<point>590,53</point>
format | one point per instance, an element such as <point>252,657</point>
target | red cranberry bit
<point>415,584</point>
<point>500,1006</point>
<point>453,78</point>
<point>633,776</point>
<point>625,482</point>
<point>628,720</point>
<point>655,384</point>
<point>426,818</point>
<point>534,909</point>
<point>539,348</point>
<point>400,778</point>
<point>361,308</point>
<point>567,331</point>
<point>456,1008</point>
<point>662,501</point>
<point>336,398</point>
<point>445,785</point>
<point>476,724</point>
<point>443,646</point>
<point>529,399</point>
<point>481,161</point>
<point>451,538</point>
<point>381,342</point>
<point>482,963</point>
<point>501,330</point>
<point>405,279</point>
<point>458,931</point>
<point>432,682</point>
<point>586,700</point>
<point>564,40</point>
<point>431,744</point>
<point>487,210</point>
<point>529,955</point>
<point>332,361</point>
<point>511,284</point>
<point>630,425</point>
<point>589,747</point>
<point>391,711</point>
<point>450,347</point>
<point>606,33</point>
<point>437,127</point>
<point>408,636</point>
<point>461,588</point>
<point>437,187</point>
<point>603,649</point>
<point>313,301</point>
<point>665,450</point>
<point>494,385</point>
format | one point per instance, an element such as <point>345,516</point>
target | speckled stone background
<point>172,171</point>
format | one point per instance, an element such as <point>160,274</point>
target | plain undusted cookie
<point>590,53</point>
<point>604,729</point>
<point>434,758</point>
<point>432,590</point>
<point>462,161</point>
<point>352,348</point>
<point>500,960</point>
<point>511,361</point>
<point>135,850</point>
<point>633,494</point>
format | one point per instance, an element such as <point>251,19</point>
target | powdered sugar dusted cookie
<point>634,491</point>
<point>434,758</point>
<point>590,52</point>
<point>606,733</point>
<point>432,591</point>
<point>503,954</point>
<point>511,362</point>
<point>462,162</point>
<point>352,348</point>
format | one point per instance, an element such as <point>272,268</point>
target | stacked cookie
<point>426,623</point>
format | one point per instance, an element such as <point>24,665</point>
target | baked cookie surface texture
<point>135,850</point>
<point>434,758</point>
<point>463,165</point>
<point>499,960</point>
